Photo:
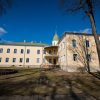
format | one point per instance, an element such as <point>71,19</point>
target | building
<point>71,53</point>
<point>76,50</point>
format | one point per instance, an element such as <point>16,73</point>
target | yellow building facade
<point>70,53</point>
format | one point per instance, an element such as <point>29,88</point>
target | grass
<point>26,82</point>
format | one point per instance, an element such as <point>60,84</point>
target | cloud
<point>5,41</point>
<point>2,31</point>
<point>87,30</point>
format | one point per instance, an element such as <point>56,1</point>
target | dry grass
<point>26,82</point>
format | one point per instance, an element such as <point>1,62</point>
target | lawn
<point>28,81</point>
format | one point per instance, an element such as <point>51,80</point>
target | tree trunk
<point>96,37</point>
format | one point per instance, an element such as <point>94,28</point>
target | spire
<point>55,38</point>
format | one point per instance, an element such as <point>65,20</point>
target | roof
<point>73,33</point>
<point>55,38</point>
<point>50,47</point>
<point>24,44</point>
<point>76,33</point>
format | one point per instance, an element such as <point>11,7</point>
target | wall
<point>32,55</point>
<point>67,63</point>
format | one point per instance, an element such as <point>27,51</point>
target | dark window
<point>50,61</point>
<point>14,59</point>
<point>88,57</point>
<point>7,59</point>
<point>8,50</point>
<point>0,59</point>
<point>15,50</point>
<point>27,60</point>
<point>22,51</point>
<point>38,51</point>
<point>49,51</point>
<point>1,50</point>
<point>74,43</point>
<point>87,43</point>
<point>28,51</point>
<point>54,51</point>
<point>44,51</point>
<point>21,60</point>
<point>75,57</point>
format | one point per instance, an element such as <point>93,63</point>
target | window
<point>88,57</point>
<point>28,51</point>
<point>49,51</point>
<point>44,51</point>
<point>0,59</point>
<point>38,51</point>
<point>1,50</point>
<point>63,45</point>
<point>38,60</point>
<point>22,51</point>
<point>87,43</point>
<point>74,43</point>
<point>50,61</point>
<point>27,60</point>
<point>8,50</point>
<point>75,57</point>
<point>14,59</point>
<point>54,51</point>
<point>7,59</point>
<point>15,50</point>
<point>21,60</point>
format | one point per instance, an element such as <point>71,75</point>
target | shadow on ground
<point>50,85</point>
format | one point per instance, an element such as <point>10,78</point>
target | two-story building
<point>71,52</point>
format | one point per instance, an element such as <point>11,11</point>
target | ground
<point>29,82</point>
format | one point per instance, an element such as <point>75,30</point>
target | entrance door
<point>54,61</point>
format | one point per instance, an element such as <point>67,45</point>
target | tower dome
<point>55,40</point>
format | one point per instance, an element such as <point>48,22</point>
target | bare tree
<point>88,6</point>
<point>83,51</point>
<point>4,5</point>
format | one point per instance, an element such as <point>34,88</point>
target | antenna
<point>56,29</point>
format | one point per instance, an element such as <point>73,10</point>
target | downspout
<point>24,56</point>
<point>66,52</point>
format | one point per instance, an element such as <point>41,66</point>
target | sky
<point>38,20</point>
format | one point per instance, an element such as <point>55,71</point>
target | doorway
<point>54,61</point>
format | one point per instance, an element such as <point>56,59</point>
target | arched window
<point>38,51</point>
<point>1,50</point>
<point>15,50</point>
<point>27,60</point>
<point>87,43</point>
<point>74,43</point>
<point>8,50</point>
<point>28,51</point>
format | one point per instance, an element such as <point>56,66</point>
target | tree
<point>4,5</point>
<point>88,7</point>
<point>83,51</point>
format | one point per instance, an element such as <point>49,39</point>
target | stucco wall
<point>32,55</point>
<point>69,64</point>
